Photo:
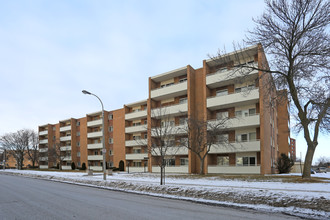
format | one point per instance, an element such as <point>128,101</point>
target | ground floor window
<point>245,161</point>
<point>137,164</point>
<point>223,160</point>
<point>184,161</point>
<point>169,162</point>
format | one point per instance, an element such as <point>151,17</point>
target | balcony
<point>169,130</point>
<point>42,150</point>
<point>95,157</point>
<point>67,158</point>
<point>94,123</point>
<point>94,134</point>
<point>175,90</point>
<point>137,169</point>
<point>43,166</point>
<point>175,110</point>
<point>170,151</point>
<point>141,142</point>
<point>43,159</point>
<point>136,115</point>
<point>234,169</point>
<point>65,148</point>
<point>96,168</point>
<point>225,77</point>
<point>42,133</point>
<point>232,100</point>
<point>65,128</point>
<point>238,122</point>
<point>251,146</point>
<point>140,156</point>
<point>136,129</point>
<point>94,146</point>
<point>66,167</point>
<point>45,141</point>
<point>65,138</point>
<point>174,169</point>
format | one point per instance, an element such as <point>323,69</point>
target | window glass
<point>222,115</point>
<point>184,161</point>
<point>244,137</point>
<point>223,161</point>
<point>238,113</point>
<point>222,92</point>
<point>252,111</point>
<point>252,136</point>
<point>252,161</point>
<point>245,161</point>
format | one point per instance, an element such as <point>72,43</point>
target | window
<point>252,136</point>
<point>77,123</point>
<point>96,141</point>
<point>222,115</point>
<point>183,121</point>
<point>222,138</point>
<point>238,113</point>
<point>252,111</point>
<point>110,152</point>
<point>184,161</point>
<point>145,122</point>
<point>137,151</point>
<point>245,161</point>
<point>136,164</point>
<point>78,154</point>
<point>183,80</point>
<point>78,164</point>
<point>96,153</point>
<point>223,161</point>
<point>110,116</point>
<point>110,140</point>
<point>78,133</point>
<point>110,129</point>
<point>136,123</point>
<point>183,100</point>
<point>145,136</point>
<point>78,143</point>
<point>169,162</point>
<point>222,92</point>
<point>136,137</point>
<point>167,123</point>
<point>184,141</point>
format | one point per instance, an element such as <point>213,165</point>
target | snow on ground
<point>302,199</point>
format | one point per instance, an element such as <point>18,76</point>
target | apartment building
<point>257,128</point>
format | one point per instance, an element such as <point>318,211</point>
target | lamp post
<point>103,142</point>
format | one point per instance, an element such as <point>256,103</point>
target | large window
<point>223,160</point>
<point>252,136</point>
<point>222,115</point>
<point>245,161</point>
<point>184,161</point>
<point>222,92</point>
<point>169,162</point>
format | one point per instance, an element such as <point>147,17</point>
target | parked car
<point>313,171</point>
<point>321,170</point>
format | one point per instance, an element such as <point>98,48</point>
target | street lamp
<point>103,142</point>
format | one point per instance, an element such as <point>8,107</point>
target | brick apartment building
<point>258,128</point>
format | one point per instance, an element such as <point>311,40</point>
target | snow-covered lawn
<point>276,193</point>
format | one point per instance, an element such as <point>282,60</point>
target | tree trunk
<point>308,161</point>
<point>161,175</point>
<point>201,171</point>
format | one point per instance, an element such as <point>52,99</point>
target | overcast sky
<point>51,50</point>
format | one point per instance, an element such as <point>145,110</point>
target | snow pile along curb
<point>317,207</point>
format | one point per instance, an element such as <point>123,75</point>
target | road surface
<point>26,198</point>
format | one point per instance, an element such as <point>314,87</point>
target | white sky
<point>51,50</point>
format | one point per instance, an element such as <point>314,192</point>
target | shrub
<point>83,166</point>
<point>73,166</point>
<point>284,164</point>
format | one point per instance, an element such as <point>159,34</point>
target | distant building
<point>292,149</point>
<point>257,127</point>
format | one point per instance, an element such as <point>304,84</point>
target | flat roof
<point>171,74</point>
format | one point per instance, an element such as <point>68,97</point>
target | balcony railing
<point>65,138</point>
<point>65,148</point>
<point>94,123</point>
<point>43,166</point>
<point>235,99</point>
<point>221,78</point>
<point>237,122</point>
<point>95,146</point>
<point>42,133</point>
<point>136,129</point>
<point>133,156</point>
<point>136,115</point>
<point>42,150</point>
<point>65,128</point>
<point>94,134</point>
<point>137,169</point>
<point>66,167</point>
<point>174,90</point>
<point>45,141</point>
<point>67,158</point>
<point>234,169</point>
<point>155,151</point>
<point>140,142</point>
<point>250,146</point>
<point>174,169</point>
<point>43,158</point>
<point>95,157</point>
<point>96,168</point>
<point>178,109</point>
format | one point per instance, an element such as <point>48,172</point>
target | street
<point>26,198</point>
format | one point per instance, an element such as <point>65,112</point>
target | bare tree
<point>162,145</point>
<point>203,135</point>
<point>294,35</point>
<point>16,144</point>
<point>56,155</point>
<point>323,161</point>
<point>32,149</point>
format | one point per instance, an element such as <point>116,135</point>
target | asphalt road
<point>25,198</point>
